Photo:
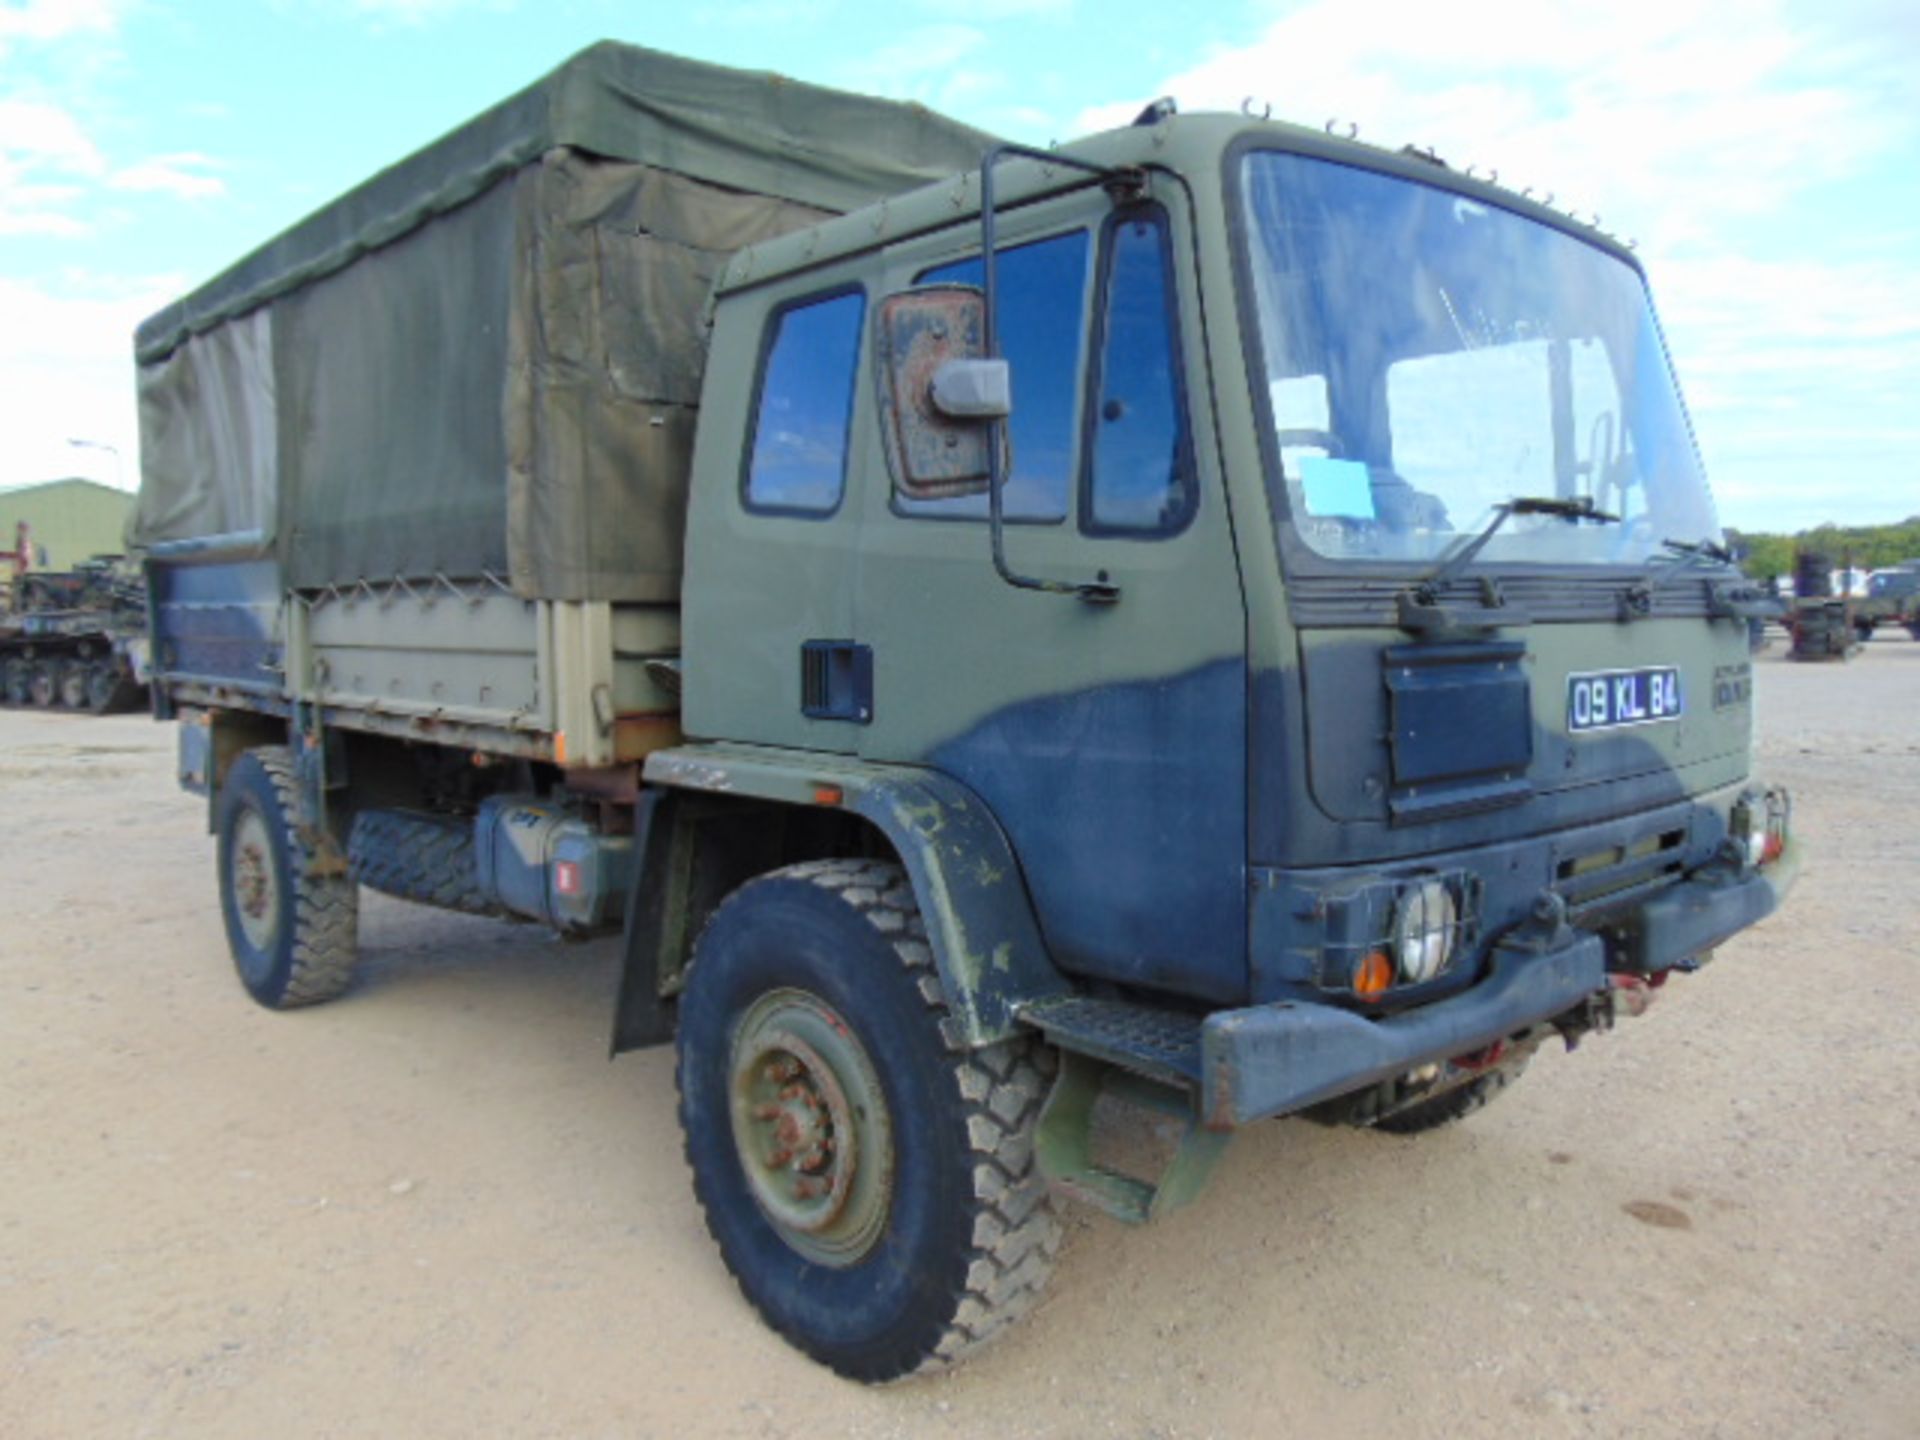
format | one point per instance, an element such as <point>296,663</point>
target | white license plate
<point>1611,699</point>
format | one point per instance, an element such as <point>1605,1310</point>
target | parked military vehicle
<point>1215,616</point>
<point>75,638</point>
<point>1892,598</point>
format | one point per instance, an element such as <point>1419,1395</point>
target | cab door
<point>1109,739</point>
<point>773,514</point>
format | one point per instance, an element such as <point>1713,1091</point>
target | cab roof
<point>1194,146</point>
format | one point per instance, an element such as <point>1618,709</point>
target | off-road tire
<point>970,1231</point>
<point>73,685</point>
<point>16,683</point>
<point>43,684</point>
<point>1863,630</point>
<point>421,857</point>
<point>1455,1105</point>
<point>308,934</point>
<point>110,690</point>
<point>102,683</point>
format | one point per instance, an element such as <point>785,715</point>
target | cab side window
<point>797,462</point>
<point>1041,306</point>
<point>1140,474</point>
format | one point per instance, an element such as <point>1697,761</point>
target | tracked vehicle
<point>75,639</point>
<point>1217,616</point>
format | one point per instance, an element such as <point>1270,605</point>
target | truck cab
<point>1404,642</point>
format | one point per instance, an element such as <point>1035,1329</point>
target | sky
<point>1763,154</point>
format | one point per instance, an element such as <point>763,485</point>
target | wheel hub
<point>256,892</point>
<point>811,1127</point>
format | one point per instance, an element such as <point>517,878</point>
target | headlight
<point>1424,924</point>
<point>1748,828</point>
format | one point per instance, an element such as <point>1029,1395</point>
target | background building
<point>70,520</point>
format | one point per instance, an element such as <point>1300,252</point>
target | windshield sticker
<point>1336,488</point>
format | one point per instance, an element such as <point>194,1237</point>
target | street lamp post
<point>113,450</point>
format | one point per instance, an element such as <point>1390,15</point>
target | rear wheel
<point>16,682</point>
<point>1863,629</point>
<point>872,1186</point>
<point>293,933</point>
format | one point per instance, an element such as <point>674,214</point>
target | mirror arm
<point>1121,184</point>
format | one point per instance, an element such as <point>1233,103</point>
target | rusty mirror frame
<point>931,455</point>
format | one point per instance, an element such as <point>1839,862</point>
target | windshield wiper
<point>1420,606</point>
<point>1682,557</point>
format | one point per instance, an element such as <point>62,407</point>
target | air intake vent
<point>836,681</point>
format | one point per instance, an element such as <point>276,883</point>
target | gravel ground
<point>434,1209</point>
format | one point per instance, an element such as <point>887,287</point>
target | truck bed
<point>459,662</point>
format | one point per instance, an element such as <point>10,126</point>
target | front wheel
<point>293,930</point>
<point>1864,630</point>
<point>871,1185</point>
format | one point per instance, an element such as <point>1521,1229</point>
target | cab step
<point>1134,1055</point>
<point>1161,1045</point>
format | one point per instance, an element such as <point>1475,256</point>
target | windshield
<point>1429,357</point>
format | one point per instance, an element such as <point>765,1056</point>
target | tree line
<point>1866,547</point>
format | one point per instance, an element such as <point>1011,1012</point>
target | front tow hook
<point>1625,997</point>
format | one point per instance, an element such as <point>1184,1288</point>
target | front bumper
<point>1685,921</point>
<point>1271,1059</point>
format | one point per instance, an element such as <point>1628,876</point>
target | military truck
<point>1217,617</point>
<point>75,638</point>
<point>1892,598</point>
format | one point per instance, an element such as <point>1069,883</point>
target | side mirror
<point>973,390</point>
<point>939,394</point>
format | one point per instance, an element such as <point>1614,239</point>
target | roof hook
<point>1246,108</point>
<point>1353,130</point>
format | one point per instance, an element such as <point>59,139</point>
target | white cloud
<point>45,20</point>
<point>178,175</point>
<point>38,209</point>
<point>66,370</point>
<point>37,141</point>
<point>38,134</point>
<point>1647,114</point>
